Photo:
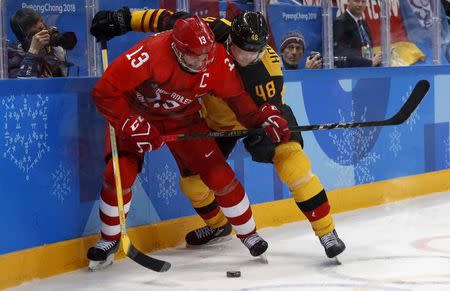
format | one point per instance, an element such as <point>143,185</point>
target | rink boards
<point>51,151</point>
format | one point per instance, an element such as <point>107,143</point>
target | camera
<point>339,61</point>
<point>66,40</point>
<point>314,54</point>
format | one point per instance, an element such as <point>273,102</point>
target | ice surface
<point>399,246</point>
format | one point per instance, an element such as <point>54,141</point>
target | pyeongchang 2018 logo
<point>299,16</point>
<point>49,8</point>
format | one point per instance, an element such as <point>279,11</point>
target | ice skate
<point>101,255</point>
<point>257,246</point>
<point>332,244</point>
<point>207,235</point>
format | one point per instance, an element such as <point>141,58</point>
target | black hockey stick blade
<point>147,261</point>
<point>414,99</point>
<point>142,259</point>
<point>416,96</point>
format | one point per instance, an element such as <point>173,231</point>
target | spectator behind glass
<point>292,50</point>
<point>40,50</point>
<point>446,5</point>
<point>352,37</point>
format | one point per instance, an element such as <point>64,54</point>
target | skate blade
<point>335,261</point>
<point>263,259</point>
<point>101,265</point>
<point>217,240</point>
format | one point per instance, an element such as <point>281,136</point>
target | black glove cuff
<point>123,18</point>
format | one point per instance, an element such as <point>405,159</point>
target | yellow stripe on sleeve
<point>146,20</point>
<point>226,21</point>
<point>155,21</point>
<point>136,20</point>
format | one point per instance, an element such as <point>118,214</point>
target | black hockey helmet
<point>22,20</point>
<point>249,31</point>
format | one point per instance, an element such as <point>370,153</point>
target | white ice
<point>398,246</point>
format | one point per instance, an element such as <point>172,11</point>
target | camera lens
<point>66,40</point>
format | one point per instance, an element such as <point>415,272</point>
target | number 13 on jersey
<point>138,60</point>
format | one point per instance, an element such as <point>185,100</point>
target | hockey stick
<point>414,99</point>
<point>128,248</point>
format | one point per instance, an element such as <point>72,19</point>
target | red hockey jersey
<point>148,80</point>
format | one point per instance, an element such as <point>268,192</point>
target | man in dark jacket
<point>352,37</point>
<point>446,5</point>
<point>38,51</point>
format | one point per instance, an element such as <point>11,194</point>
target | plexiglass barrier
<point>66,54</point>
<point>3,44</point>
<point>409,32</point>
<point>66,16</point>
<point>404,32</point>
<point>297,34</point>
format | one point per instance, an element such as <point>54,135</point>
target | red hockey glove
<point>275,126</point>
<point>139,130</point>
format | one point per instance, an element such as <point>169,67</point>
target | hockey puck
<point>233,274</point>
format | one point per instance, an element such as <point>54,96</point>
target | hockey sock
<point>294,169</point>
<point>109,213</point>
<point>203,201</point>
<point>235,205</point>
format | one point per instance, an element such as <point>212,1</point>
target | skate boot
<point>255,244</point>
<point>208,235</point>
<point>332,244</point>
<point>102,254</point>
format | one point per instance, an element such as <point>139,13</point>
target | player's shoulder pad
<point>271,61</point>
<point>221,28</point>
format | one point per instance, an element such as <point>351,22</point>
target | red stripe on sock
<point>244,218</point>
<point>110,237</point>
<point>318,213</point>
<point>110,220</point>
<point>232,198</point>
<point>111,198</point>
<point>210,214</point>
<point>242,236</point>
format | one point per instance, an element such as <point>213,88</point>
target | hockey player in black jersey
<point>259,66</point>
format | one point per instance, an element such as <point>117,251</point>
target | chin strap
<point>181,61</point>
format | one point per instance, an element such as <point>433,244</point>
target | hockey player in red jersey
<point>154,89</point>
<point>259,67</point>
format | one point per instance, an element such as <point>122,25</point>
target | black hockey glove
<point>108,24</point>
